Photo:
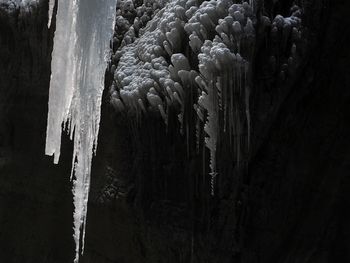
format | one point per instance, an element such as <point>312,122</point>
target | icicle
<point>81,48</point>
<point>50,13</point>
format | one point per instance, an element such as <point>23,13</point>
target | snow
<point>79,59</point>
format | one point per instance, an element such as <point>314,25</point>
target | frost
<point>81,46</point>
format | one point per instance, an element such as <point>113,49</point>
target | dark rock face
<point>35,195</point>
<point>150,194</point>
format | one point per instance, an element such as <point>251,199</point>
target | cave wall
<point>150,195</point>
<point>35,195</point>
<point>298,180</point>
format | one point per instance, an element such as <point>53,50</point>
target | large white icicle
<point>81,47</point>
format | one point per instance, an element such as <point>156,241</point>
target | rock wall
<point>150,195</point>
<point>35,195</point>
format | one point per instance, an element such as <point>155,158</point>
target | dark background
<point>148,200</point>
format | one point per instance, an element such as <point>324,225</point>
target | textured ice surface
<point>195,55</point>
<point>19,2</point>
<point>154,70</point>
<point>24,5</point>
<point>81,46</point>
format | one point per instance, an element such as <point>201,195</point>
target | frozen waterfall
<point>81,48</point>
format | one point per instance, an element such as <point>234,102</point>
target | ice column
<point>81,48</point>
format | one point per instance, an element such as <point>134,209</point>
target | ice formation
<point>23,5</point>
<point>286,35</point>
<point>167,52</point>
<point>19,2</point>
<point>81,47</point>
<point>153,70</point>
<point>50,13</point>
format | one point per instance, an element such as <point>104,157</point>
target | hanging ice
<point>81,46</point>
<point>21,5</point>
<point>221,37</point>
<point>51,6</point>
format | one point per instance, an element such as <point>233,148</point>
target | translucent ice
<point>81,46</point>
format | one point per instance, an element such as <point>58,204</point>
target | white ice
<point>51,7</point>
<point>81,48</point>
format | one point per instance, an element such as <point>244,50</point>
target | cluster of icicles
<point>154,71</point>
<point>220,34</point>
<point>21,5</point>
<point>79,60</point>
<point>162,52</point>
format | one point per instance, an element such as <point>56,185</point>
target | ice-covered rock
<point>186,49</point>
<point>23,5</point>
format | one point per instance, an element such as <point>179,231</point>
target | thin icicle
<point>50,13</point>
<point>79,59</point>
